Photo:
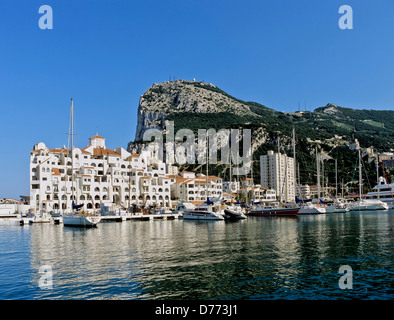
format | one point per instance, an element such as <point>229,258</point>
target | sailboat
<point>366,204</point>
<point>234,211</point>
<point>76,217</point>
<point>209,210</point>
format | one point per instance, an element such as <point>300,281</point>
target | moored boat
<point>368,205</point>
<point>206,211</point>
<point>310,208</point>
<point>76,218</point>
<point>81,220</point>
<point>274,211</point>
<point>234,212</point>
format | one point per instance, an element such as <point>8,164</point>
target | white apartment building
<point>101,176</point>
<point>277,172</point>
<point>263,195</point>
<point>189,187</point>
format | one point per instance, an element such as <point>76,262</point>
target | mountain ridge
<point>199,105</point>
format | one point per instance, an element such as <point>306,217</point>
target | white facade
<point>277,172</point>
<point>261,194</point>
<point>101,176</point>
<point>304,191</point>
<point>189,187</point>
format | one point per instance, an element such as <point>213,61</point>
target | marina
<point>255,258</point>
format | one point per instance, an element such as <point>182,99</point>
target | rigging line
<point>366,175</point>
<point>387,181</point>
<point>355,167</point>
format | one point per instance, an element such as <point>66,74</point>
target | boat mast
<point>336,179</point>
<point>231,183</point>
<point>207,169</point>
<point>377,174</point>
<point>294,164</point>
<point>72,153</point>
<point>318,173</point>
<point>360,184</point>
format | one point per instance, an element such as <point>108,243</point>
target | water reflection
<point>257,258</point>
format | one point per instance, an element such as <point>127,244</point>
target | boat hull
<point>312,211</point>
<point>201,216</point>
<point>369,205</point>
<point>275,212</point>
<point>82,221</point>
<point>234,215</point>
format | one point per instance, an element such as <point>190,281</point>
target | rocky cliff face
<point>171,97</point>
<point>198,105</point>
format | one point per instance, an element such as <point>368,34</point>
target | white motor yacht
<point>205,211</point>
<point>311,208</point>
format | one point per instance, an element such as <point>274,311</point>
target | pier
<point>141,217</point>
<point>137,217</point>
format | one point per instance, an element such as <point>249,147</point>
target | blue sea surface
<point>258,258</point>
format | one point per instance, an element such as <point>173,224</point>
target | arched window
<point>97,189</point>
<point>48,197</point>
<point>64,197</point>
<point>82,198</point>
<point>90,206</point>
<point>97,197</point>
<point>105,189</point>
<point>104,197</point>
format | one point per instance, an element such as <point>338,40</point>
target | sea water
<point>258,258</point>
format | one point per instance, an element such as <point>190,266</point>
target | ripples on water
<point>259,258</point>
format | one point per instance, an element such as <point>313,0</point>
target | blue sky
<point>105,54</point>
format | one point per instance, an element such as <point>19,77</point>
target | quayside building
<point>101,176</point>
